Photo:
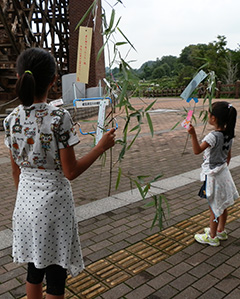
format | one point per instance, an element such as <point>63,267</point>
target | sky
<point>159,28</point>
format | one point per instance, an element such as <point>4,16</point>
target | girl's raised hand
<point>108,140</point>
<point>191,129</point>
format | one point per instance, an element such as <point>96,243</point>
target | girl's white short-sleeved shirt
<point>36,133</point>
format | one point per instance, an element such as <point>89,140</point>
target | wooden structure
<point>222,91</point>
<point>48,24</point>
<point>228,90</point>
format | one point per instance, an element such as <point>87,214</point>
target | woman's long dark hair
<point>226,116</point>
<point>36,69</point>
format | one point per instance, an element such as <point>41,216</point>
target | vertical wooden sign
<point>84,52</point>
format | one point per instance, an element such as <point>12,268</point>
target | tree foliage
<point>214,56</point>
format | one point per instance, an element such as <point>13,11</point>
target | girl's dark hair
<point>226,116</point>
<point>36,69</point>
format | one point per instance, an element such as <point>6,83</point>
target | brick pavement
<point>197,271</point>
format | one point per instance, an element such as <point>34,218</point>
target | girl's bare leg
<point>34,291</point>
<point>222,221</point>
<point>213,224</point>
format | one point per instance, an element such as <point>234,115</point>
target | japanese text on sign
<point>84,52</point>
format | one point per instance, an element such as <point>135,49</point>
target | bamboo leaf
<point>120,43</point>
<point>122,153</point>
<point>118,177</point>
<point>133,140</point>
<point>100,52</point>
<point>145,190</point>
<point>134,114</point>
<point>150,204</point>
<point>150,123</point>
<point>194,119</point>
<point>167,204</point>
<point>135,128</point>
<point>142,177</point>
<point>150,106</point>
<point>126,38</point>
<point>125,128</point>
<point>156,178</point>
<point>86,14</point>
<point>111,20</point>
<point>102,48</point>
<point>140,189</point>
<point>123,93</point>
<point>175,125</point>
<point>160,212</point>
<point>154,221</point>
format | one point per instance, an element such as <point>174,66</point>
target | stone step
<point>2,117</point>
<point>9,110</point>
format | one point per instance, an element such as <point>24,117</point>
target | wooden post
<point>218,91</point>
<point>237,89</point>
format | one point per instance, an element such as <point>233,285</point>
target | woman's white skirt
<point>44,224</point>
<point>221,191</point>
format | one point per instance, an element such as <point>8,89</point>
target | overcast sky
<point>159,28</point>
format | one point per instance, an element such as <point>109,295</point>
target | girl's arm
<point>229,156</point>
<point>197,148</point>
<point>15,171</point>
<point>72,167</point>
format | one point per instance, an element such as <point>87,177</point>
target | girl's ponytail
<point>25,88</point>
<point>36,69</point>
<point>231,121</point>
<point>226,116</point>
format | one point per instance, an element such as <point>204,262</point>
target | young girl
<point>218,188</point>
<point>41,140</point>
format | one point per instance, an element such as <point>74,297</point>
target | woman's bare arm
<point>197,147</point>
<point>229,156</point>
<point>72,167</point>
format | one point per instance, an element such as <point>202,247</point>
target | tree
<point>158,72</point>
<point>213,56</point>
<point>235,56</point>
<point>217,56</point>
<point>231,70</point>
<point>146,74</point>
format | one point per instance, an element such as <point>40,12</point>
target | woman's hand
<point>191,130</point>
<point>107,141</point>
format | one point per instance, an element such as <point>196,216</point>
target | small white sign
<point>57,102</point>
<point>90,103</point>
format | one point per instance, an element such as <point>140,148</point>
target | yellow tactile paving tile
<point>109,272</point>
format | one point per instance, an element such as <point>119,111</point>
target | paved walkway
<point>124,258</point>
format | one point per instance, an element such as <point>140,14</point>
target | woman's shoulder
<point>14,113</point>
<point>57,110</point>
<point>59,115</point>
<point>209,135</point>
<point>210,138</point>
<point>219,135</point>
